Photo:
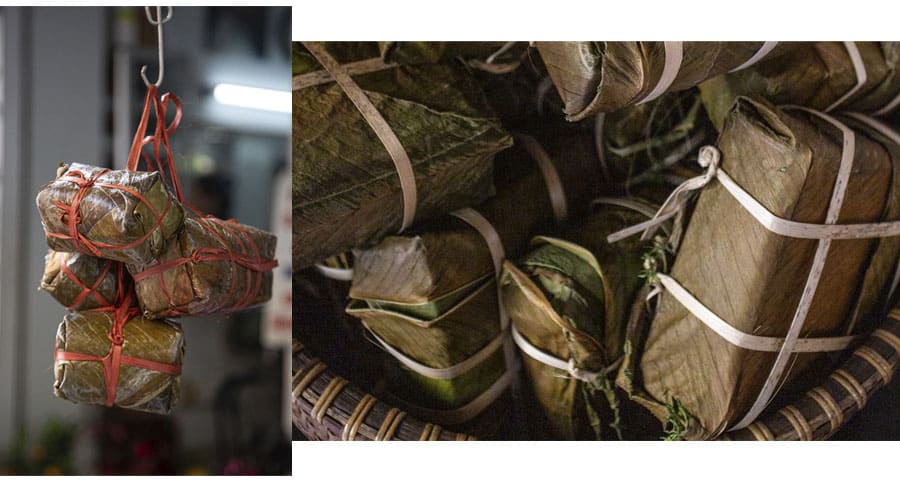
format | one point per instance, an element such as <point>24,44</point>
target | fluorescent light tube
<point>253,97</point>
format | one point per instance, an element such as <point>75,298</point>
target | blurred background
<point>70,91</point>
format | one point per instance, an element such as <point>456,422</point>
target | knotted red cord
<point>122,311</point>
<point>249,258</point>
<point>71,216</point>
<point>92,290</point>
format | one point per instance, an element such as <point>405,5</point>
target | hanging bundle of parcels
<point>127,254</point>
<point>701,241</point>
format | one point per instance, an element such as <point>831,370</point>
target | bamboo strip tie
<point>357,418</point>
<point>327,398</point>
<point>881,365</point>
<point>385,424</point>
<point>888,337</point>
<point>392,429</point>
<point>798,421</point>
<point>761,432</point>
<point>426,432</point>
<point>317,368</point>
<point>829,406</point>
<point>852,386</point>
<point>435,433</point>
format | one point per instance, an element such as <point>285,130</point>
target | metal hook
<point>159,21</point>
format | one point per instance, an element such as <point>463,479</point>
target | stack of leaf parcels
<point>773,258</point>
<point>414,293</point>
<point>106,228</point>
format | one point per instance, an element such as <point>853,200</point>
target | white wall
<point>57,115</point>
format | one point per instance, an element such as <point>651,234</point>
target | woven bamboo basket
<point>328,407</point>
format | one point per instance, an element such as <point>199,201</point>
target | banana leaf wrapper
<point>646,143</point>
<point>346,192</point>
<point>127,216</point>
<point>195,276</point>
<point>569,298</point>
<point>684,372</point>
<point>815,75</point>
<point>594,77</point>
<point>141,389</point>
<point>415,293</point>
<point>81,282</point>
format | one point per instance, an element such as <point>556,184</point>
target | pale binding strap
<point>489,64</point>
<point>319,77</point>
<point>551,176</point>
<point>859,67</point>
<point>379,126</point>
<point>742,339</point>
<point>476,406</point>
<point>495,246</point>
<point>709,158</point>
<point>838,195</point>
<point>542,357</point>
<point>461,414</point>
<point>894,137</point>
<point>445,373</point>
<point>676,200</point>
<point>674,52</point>
<point>764,50</point>
<point>626,203</point>
<point>335,273</point>
<point>889,107</point>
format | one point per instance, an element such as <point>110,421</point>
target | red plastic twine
<point>70,215</point>
<point>253,263</point>
<point>92,290</point>
<point>249,258</point>
<point>122,312</point>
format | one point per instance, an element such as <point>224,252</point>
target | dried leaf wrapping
<point>346,191</point>
<point>127,215</point>
<point>196,275</point>
<point>414,292</point>
<point>594,77</point>
<point>138,388</point>
<point>815,75</point>
<point>569,298</point>
<point>90,283</point>
<point>754,278</point>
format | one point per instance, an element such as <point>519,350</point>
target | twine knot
<point>581,374</point>
<point>116,338</point>
<point>708,158</point>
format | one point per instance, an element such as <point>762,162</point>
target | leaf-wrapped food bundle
<point>594,77</point>
<point>415,293</point>
<point>346,189</point>
<point>570,299</point>
<point>81,282</point>
<point>818,75</point>
<point>126,216</point>
<point>755,279</point>
<point>147,377</point>
<point>211,266</point>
